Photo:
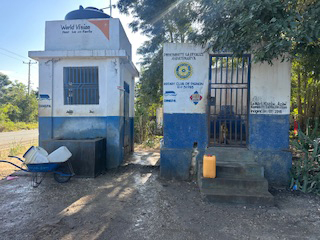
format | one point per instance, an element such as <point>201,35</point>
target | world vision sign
<point>102,25</point>
<point>82,34</point>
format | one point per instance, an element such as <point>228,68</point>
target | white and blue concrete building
<point>220,101</point>
<point>86,84</point>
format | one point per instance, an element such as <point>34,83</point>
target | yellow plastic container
<point>209,166</point>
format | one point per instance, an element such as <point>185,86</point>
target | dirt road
<point>133,203</point>
<point>8,139</point>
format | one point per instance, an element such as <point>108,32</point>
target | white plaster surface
<point>270,88</point>
<point>84,35</point>
<point>80,43</point>
<point>177,92</point>
<point>269,84</point>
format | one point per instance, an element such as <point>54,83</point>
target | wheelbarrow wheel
<point>62,174</point>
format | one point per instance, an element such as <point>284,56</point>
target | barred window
<point>81,85</point>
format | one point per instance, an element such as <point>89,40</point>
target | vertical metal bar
<point>214,130</point>
<point>248,98</point>
<point>226,101</point>
<point>216,77</point>
<point>209,100</point>
<point>97,82</point>
<point>221,66</point>
<point>241,116</point>
<point>237,70</point>
<point>215,101</point>
<point>242,68</point>
<point>227,63</point>
<point>219,132</point>
<point>220,101</point>
<point>232,69</point>
<point>230,131</point>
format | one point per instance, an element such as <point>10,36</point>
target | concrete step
<point>236,182</point>
<point>231,154</point>
<point>245,184</point>
<point>237,196</point>
<point>238,170</point>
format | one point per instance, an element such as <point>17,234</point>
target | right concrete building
<point>228,106</point>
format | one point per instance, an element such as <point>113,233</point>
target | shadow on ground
<point>132,202</point>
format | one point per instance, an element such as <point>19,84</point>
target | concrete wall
<point>84,43</point>
<point>269,118</point>
<point>186,120</point>
<point>86,34</point>
<point>185,93</point>
<point>86,121</point>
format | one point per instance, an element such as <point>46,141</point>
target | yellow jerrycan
<point>209,166</point>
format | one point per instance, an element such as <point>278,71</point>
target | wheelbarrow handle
<point>16,158</point>
<point>14,165</point>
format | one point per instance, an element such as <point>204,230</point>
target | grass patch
<point>17,148</point>
<point>11,126</point>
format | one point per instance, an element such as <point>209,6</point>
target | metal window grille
<point>81,85</point>
<point>229,92</point>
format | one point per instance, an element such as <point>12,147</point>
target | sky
<point>22,26</point>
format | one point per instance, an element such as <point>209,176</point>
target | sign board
<point>185,78</point>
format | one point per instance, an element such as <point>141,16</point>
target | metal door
<point>229,99</point>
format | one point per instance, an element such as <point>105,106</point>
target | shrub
<point>305,173</point>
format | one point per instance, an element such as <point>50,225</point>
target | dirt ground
<point>134,203</point>
<point>7,169</point>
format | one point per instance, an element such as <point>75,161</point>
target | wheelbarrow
<point>39,162</point>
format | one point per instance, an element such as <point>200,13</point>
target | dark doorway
<point>229,99</point>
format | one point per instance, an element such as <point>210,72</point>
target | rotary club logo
<point>183,71</point>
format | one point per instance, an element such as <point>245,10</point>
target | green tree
<point>268,28</point>
<point>163,21</point>
<point>4,83</point>
<point>15,103</point>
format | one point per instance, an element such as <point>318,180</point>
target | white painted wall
<point>86,35</point>
<point>45,87</point>
<point>270,88</point>
<point>177,92</point>
<point>109,92</point>
<point>126,76</point>
<point>269,84</point>
<point>82,43</point>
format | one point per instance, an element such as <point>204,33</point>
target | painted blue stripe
<point>268,132</point>
<point>110,127</point>
<point>182,130</point>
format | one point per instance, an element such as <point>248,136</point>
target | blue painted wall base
<point>181,131</point>
<point>268,132</point>
<point>111,128</point>
<point>175,163</point>
<point>277,165</point>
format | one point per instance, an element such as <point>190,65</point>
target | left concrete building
<point>86,82</point>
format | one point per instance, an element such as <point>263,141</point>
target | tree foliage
<point>269,29</point>
<point>162,21</point>
<point>15,103</point>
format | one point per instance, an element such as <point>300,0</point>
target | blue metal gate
<point>229,99</point>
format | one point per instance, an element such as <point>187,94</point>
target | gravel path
<point>134,203</point>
